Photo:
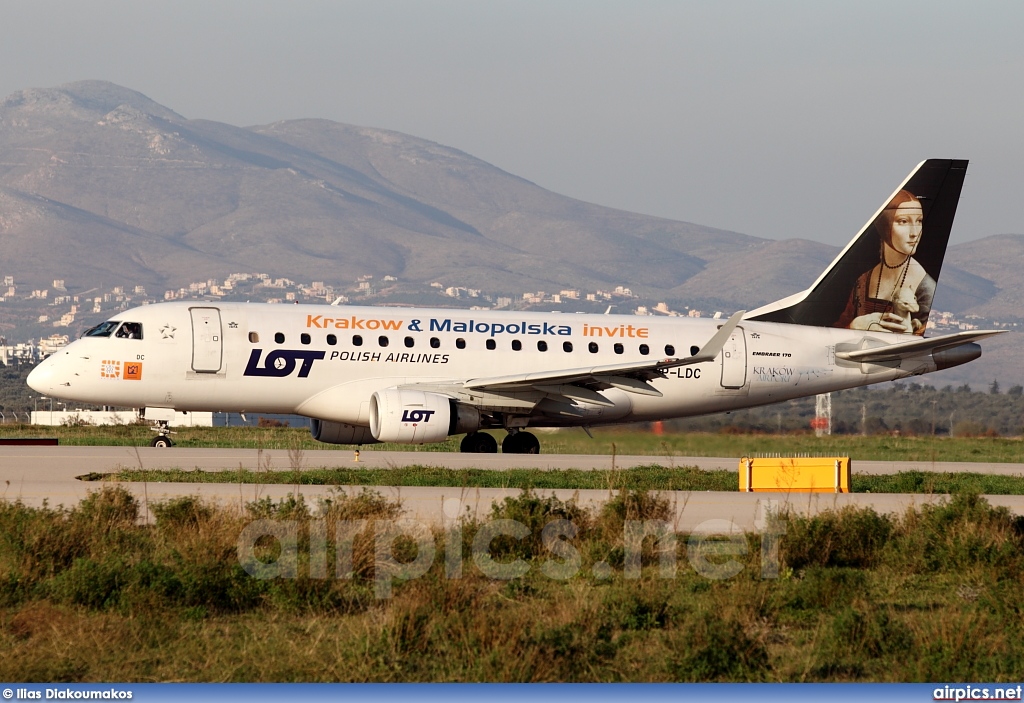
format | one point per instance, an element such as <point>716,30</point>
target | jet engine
<point>418,417</point>
<point>947,358</point>
<point>339,433</point>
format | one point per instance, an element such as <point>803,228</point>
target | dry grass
<point>89,594</point>
<point>625,440</point>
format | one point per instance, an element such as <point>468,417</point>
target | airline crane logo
<point>282,362</point>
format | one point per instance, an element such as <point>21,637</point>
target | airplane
<point>418,375</point>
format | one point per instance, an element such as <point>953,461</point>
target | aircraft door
<point>207,340</point>
<point>734,360</point>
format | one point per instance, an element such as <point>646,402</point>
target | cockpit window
<point>104,329</point>
<point>130,330</point>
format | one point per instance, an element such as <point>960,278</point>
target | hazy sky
<point>776,119</point>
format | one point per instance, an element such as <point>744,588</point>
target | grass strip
<point>653,477</point>
<point>642,478</point>
<point>610,441</point>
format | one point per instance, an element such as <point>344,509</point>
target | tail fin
<point>885,278</point>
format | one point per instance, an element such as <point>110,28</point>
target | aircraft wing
<point>631,376</point>
<point>901,350</point>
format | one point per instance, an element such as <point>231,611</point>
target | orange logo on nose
<point>110,369</point>
<point>133,370</point>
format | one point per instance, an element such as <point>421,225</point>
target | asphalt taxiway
<point>35,475</point>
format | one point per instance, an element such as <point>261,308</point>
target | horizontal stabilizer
<point>915,347</point>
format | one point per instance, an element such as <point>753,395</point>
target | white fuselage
<point>326,362</point>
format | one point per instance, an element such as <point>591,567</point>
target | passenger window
<point>460,343</point>
<point>357,340</point>
<point>670,350</point>
<point>491,344</point>
<point>409,341</point>
<point>254,337</point>
<point>130,330</point>
<point>435,343</point>
<point>104,329</point>
<point>542,345</point>
<point>382,341</point>
<point>305,338</point>
<point>619,348</point>
<point>516,345</point>
<point>592,347</point>
<point>644,349</point>
<point>567,346</point>
<point>279,337</point>
<point>332,340</point>
<point>694,350</point>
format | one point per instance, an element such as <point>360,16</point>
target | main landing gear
<point>479,443</point>
<point>517,442</point>
<point>520,443</point>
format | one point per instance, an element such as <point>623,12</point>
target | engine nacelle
<point>947,358</point>
<point>418,417</point>
<point>339,433</point>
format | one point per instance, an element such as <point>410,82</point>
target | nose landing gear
<point>163,438</point>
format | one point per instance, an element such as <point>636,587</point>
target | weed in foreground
<point>857,641</point>
<point>852,537</point>
<point>931,594</point>
<point>714,648</point>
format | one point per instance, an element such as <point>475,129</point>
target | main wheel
<point>520,443</point>
<point>161,442</point>
<point>479,443</point>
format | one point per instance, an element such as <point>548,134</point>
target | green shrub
<point>109,508</point>
<point>573,648</point>
<point>184,512</point>
<point>366,505</point>
<point>534,512</point>
<point>964,531</point>
<point>94,584</point>
<point>636,505</point>
<point>717,649</point>
<point>291,507</point>
<point>851,537</point>
<point>38,542</point>
<point>636,608</point>
<point>826,588</point>
<point>856,636</point>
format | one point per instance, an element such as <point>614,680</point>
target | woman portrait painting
<point>896,294</point>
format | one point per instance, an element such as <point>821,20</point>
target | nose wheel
<point>520,443</point>
<point>163,438</point>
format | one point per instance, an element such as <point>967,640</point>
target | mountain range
<point>99,185</point>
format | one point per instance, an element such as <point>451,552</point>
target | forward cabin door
<point>734,360</point>
<point>207,340</point>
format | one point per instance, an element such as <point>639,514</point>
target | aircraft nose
<point>41,378</point>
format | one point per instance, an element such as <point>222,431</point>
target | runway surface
<point>37,474</point>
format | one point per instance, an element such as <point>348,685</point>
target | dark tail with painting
<point>884,279</point>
